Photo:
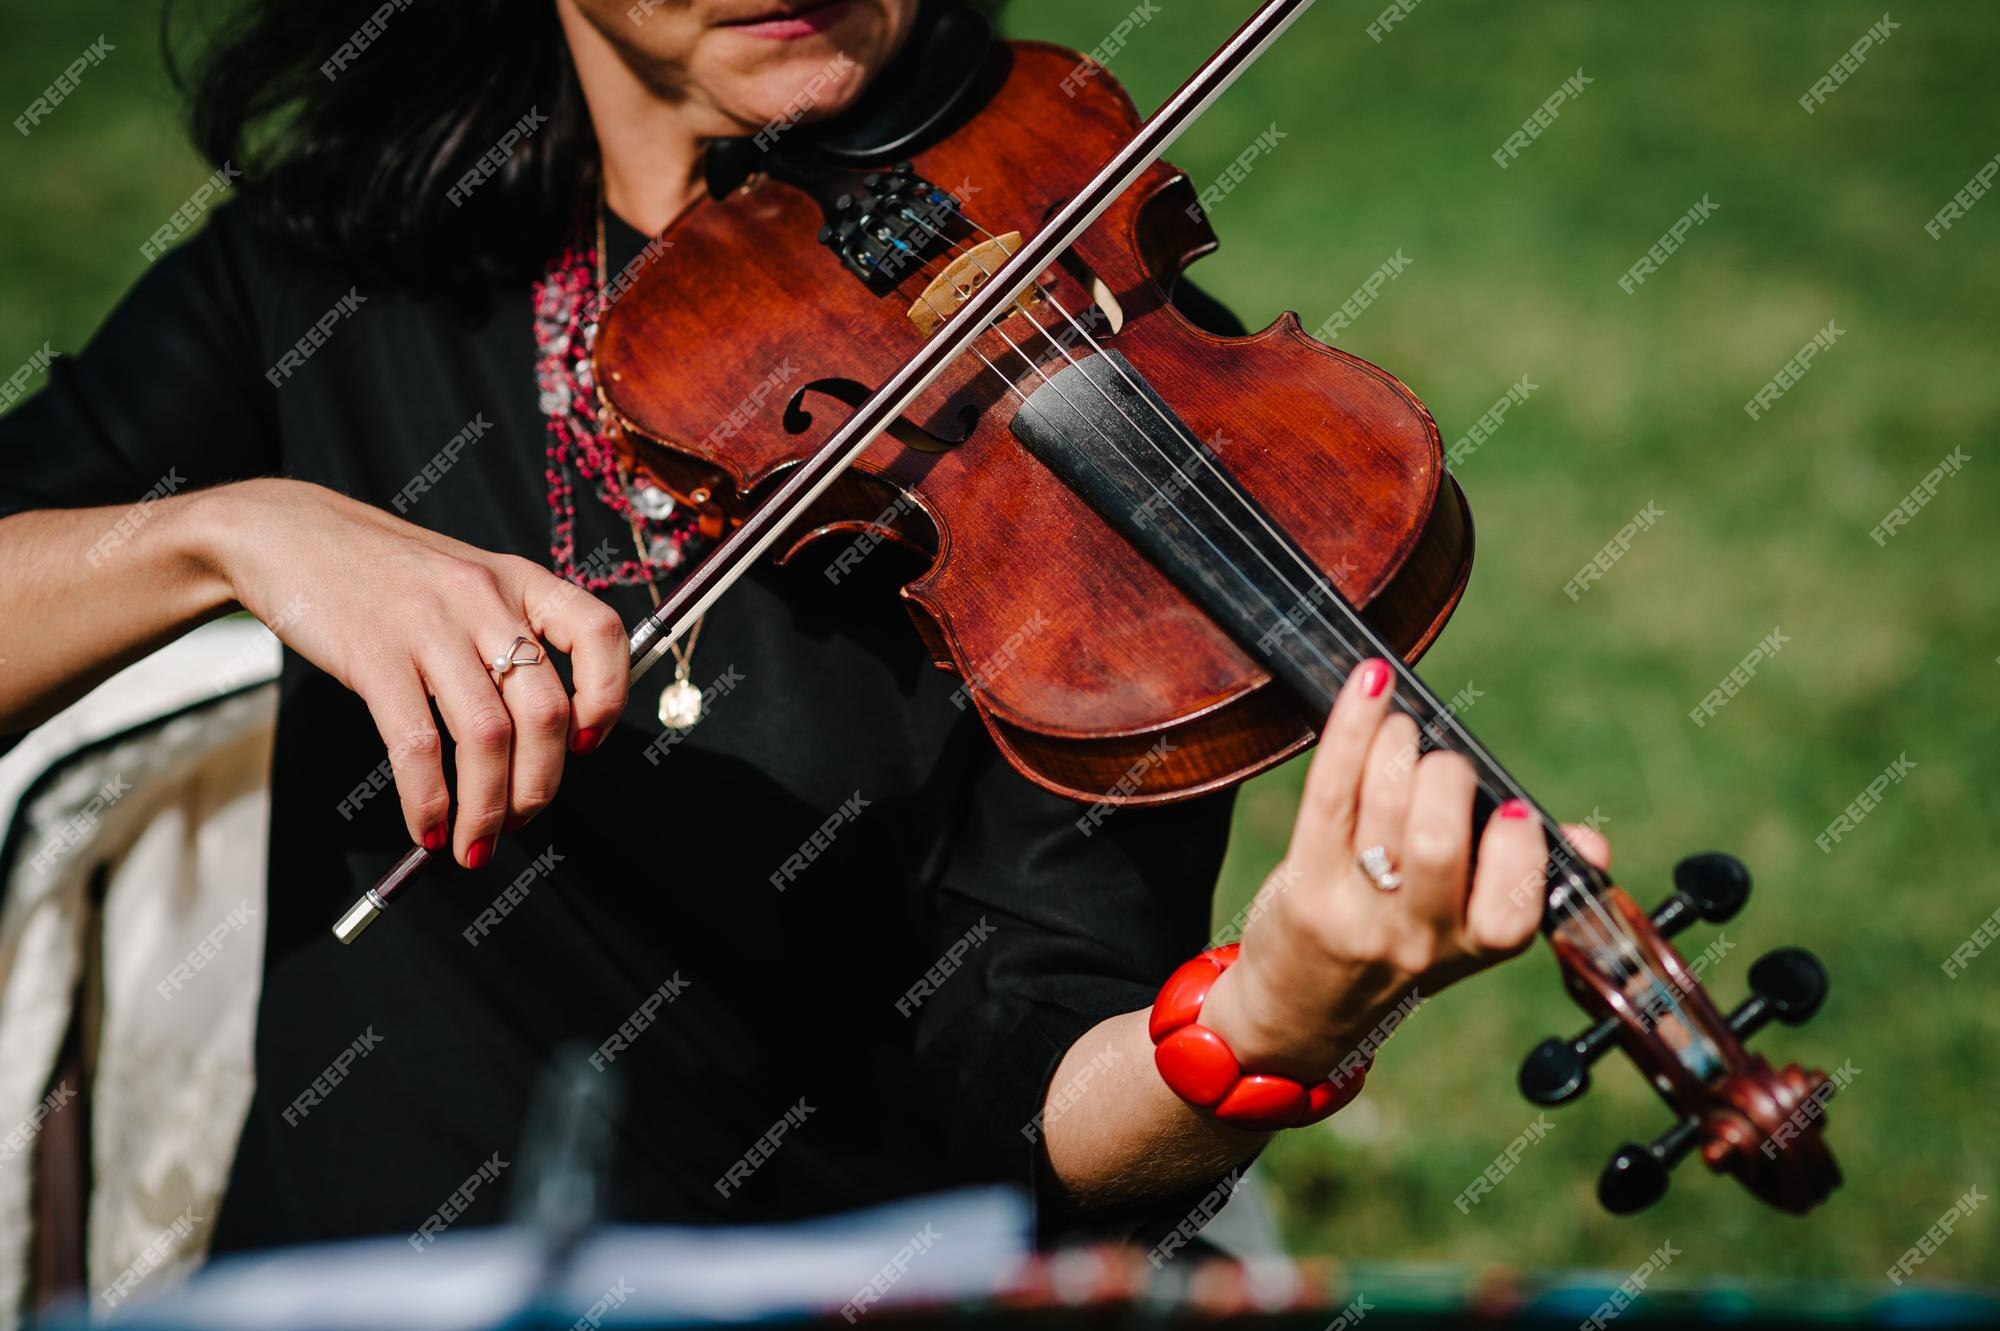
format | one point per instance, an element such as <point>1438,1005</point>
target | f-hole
<point>907,433</point>
<point>1102,298</point>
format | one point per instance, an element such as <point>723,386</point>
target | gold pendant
<point>680,705</point>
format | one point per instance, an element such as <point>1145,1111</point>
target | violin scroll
<point>1761,1123</point>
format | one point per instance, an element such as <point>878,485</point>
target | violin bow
<point>739,551</point>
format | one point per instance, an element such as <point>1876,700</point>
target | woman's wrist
<point>1261,1034</point>
<point>1267,1090</point>
<point>222,536</point>
<point>189,540</point>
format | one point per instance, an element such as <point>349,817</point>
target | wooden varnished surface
<point>1083,653</point>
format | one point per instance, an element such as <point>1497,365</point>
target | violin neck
<point>1101,427</point>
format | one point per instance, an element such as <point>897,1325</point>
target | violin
<point>1152,553</point>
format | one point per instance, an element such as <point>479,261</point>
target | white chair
<point>131,948</point>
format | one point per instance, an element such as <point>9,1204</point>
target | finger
<point>1437,841</point>
<point>483,729</point>
<point>402,714</point>
<point>1325,828</point>
<point>1510,884</point>
<point>540,710</point>
<point>591,635</point>
<point>1388,778</point>
<point>1589,843</point>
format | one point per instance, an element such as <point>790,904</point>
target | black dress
<point>656,878</point>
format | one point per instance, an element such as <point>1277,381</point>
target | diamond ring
<point>1379,868</point>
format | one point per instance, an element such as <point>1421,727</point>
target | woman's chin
<point>802,87</point>
<point>762,79</point>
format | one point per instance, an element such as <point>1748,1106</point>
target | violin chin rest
<point>921,96</point>
<point>927,91</point>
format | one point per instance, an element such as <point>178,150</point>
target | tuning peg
<point>1711,886</point>
<point>1787,985</point>
<point>1556,1070</point>
<point>1637,1175</point>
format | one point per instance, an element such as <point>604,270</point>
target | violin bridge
<point>962,279</point>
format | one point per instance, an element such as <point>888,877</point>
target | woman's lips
<point>805,23</point>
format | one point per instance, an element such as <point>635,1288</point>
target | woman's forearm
<point>1115,1133</point>
<point>88,591</point>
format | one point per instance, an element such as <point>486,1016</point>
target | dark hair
<point>353,120</point>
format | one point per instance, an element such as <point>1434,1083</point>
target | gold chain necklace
<point>680,701</point>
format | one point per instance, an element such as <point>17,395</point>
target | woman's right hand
<point>402,616</point>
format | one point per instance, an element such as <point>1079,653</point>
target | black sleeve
<point>1067,929</point>
<point>1071,929</point>
<point>168,395</point>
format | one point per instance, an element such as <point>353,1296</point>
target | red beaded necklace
<point>567,302</point>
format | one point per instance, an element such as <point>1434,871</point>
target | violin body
<point>1097,677</point>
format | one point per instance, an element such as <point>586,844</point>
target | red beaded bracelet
<point>1199,1068</point>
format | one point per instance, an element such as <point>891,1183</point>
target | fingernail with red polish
<point>1374,677</point>
<point>479,852</point>
<point>1514,809</point>
<point>434,838</point>
<point>586,740</point>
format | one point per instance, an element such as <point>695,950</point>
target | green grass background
<point>1892,650</point>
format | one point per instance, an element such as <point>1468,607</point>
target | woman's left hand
<point>1327,956</point>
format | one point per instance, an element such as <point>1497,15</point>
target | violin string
<point>1349,646</point>
<point>1571,909</point>
<point>995,369</point>
<point>1314,576</point>
<point>1563,858</point>
<point>1437,710</point>
<point>1610,930</point>
<point>1033,365</point>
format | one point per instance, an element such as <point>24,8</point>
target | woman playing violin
<point>815,894</point>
